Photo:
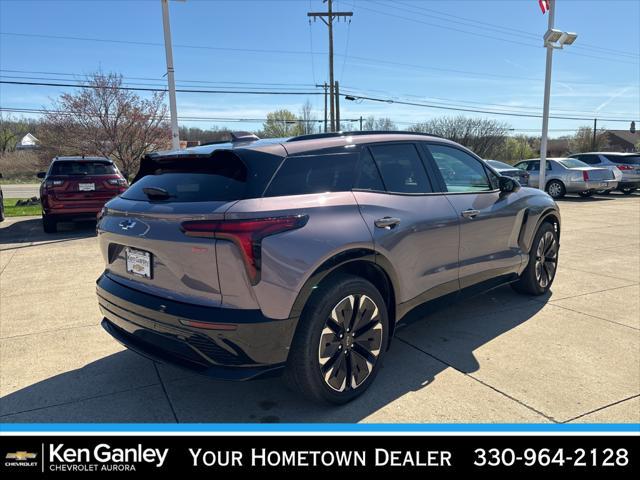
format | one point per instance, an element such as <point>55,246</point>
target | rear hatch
<point>141,234</point>
<point>83,182</point>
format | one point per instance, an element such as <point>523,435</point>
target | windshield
<point>573,163</point>
<point>82,168</point>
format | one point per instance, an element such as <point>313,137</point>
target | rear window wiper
<point>157,193</point>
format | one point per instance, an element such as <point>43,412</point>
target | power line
<point>149,89</point>
<point>503,28</point>
<point>375,61</point>
<point>483,35</point>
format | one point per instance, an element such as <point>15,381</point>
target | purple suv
<point>247,258</point>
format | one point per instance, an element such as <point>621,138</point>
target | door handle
<point>470,213</point>
<point>387,222</point>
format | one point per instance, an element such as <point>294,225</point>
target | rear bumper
<point>246,345</point>
<point>70,209</point>
<point>591,185</point>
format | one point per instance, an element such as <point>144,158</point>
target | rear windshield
<point>223,178</point>
<point>625,159</point>
<point>82,168</point>
<point>573,163</point>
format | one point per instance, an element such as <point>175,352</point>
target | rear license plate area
<point>138,262</point>
<point>86,187</point>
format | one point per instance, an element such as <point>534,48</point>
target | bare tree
<point>372,123</point>
<point>104,119</point>
<point>484,136</point>
<point>583,141</point>
<point>307,119</point>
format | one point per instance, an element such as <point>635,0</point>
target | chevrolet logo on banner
<point>21,456</point>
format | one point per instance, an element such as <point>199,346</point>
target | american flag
<point>544,5</point>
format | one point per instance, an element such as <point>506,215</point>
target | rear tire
<point>340,342</point>
<point>49,224</point>
<point>556,189</point>
<point>628,191</point>
<point>543,263</point>
<point>585,194</point>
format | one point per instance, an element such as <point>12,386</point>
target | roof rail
<point>313,136</point>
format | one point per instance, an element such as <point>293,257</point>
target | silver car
<point>244,259</point>
<point>625,165</point>
<point>568,175</point>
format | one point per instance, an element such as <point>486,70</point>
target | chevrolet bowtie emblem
<point>127,224</point>
<point>21,456</point>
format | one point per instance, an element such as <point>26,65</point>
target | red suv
<point>76,188</point>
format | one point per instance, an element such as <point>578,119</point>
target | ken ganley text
<point>262,457</point>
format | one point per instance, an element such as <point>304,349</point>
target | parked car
<point>248,258</point>
<point>625,165</point>
<point>568,175</point>
<point>76,188</point>
<point>510,171</point>
<point>1,203</point>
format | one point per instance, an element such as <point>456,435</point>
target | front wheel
<point>341,339</point>
<point>556,189</point>
<point>543,263</point>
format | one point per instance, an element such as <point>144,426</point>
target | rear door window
<point>315,173</point>
<point>401,168</point>
<point>590,159</point>
<point>368,174</point>
<point>81,168</point>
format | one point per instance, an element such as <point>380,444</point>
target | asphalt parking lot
<point>573,356</point>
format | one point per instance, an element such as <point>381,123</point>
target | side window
<point>300,175</point>
<point>401,168</point>
<point>535,166</point>
<point>368,174</point>
<point>522,165</point>
<point>461,172</point>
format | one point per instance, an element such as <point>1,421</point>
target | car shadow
<point>593,198</point>
<point>432,343</point>
<point>19,233</point>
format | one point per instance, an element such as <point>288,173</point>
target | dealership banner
<point>200,455</point>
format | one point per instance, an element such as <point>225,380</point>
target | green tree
<point>281,123</point>
<point>515,149</point>
<point>583,140</point>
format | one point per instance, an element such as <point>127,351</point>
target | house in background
<point>28,142</point>
<point>622,140</point>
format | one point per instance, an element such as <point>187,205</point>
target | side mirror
<point>508,184</point>
<point>41,174</point>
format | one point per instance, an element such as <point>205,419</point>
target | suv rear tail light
<point>117,181</point>
<point>246,234</point>
<point>585,175</point>
<point>53,183</point>
<point>624,167</point>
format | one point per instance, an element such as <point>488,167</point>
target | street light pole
<point>175,134</point>
<point>547,95</point>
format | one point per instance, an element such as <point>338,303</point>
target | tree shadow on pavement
<point>15,233</point>
<point>124,387</point>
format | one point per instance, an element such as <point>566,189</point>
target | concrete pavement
<point>500,357</point>
<point>21,190</point>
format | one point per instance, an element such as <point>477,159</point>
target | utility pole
<point>337,97</point>
<point>325,86</point>
<point>360,122</point>
<point>175,133</point>
<point>595,127</point>
<point>328,17</point>
<point>547,94</point>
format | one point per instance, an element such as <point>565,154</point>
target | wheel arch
<point>362,262</point>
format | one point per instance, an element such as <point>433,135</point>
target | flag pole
<point>547,95</point>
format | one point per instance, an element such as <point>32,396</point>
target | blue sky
<point>469,54</point>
